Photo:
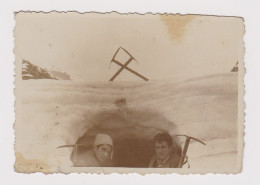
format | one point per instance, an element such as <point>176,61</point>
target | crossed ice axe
<point>124,66</point>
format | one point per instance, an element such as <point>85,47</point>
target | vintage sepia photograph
<point>128,93</point>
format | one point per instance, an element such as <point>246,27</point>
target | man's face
<point>103,153</point>
<point>162,149</point>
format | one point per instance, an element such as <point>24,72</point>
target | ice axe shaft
<point>132,71</point>
<point>121,69</point>
<point>185,149</point>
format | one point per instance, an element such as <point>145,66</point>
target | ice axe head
<point>113,59</point>
<point>189,138</point>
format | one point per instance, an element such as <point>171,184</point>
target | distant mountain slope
<point>235,68</point>
<point>60,75</point>
<point>31,71</point>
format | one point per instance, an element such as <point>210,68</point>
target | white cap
<point>103,139</point>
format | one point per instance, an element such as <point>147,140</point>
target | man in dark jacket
<point>164,156</point>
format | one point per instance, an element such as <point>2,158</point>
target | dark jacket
<point>171,162</point>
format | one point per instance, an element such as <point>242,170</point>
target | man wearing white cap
<point>100,156</point>
<point>103,149</point>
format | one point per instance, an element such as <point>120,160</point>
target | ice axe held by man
<point>168,154</point>
<point>184,158</point>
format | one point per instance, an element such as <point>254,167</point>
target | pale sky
<point>173,47</point>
